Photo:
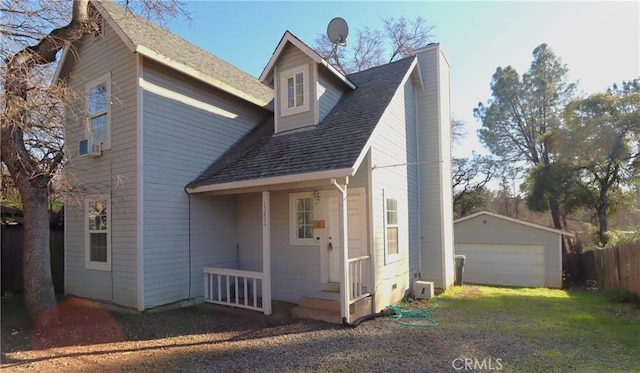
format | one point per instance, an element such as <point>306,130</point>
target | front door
<point>356,222</point>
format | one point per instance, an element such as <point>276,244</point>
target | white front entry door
<point>356,222</point>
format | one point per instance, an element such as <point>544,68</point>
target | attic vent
<point>99,30</point>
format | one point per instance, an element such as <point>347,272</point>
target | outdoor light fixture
<point>316,196</point>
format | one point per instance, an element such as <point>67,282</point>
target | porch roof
<point>335,144</point>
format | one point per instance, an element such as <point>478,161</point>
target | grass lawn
<point>576,330</point>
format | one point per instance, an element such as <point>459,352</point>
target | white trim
<point>315,91</point>
<point>105,78</point>
<point>140,179</point>
<point>182,98</point>
<point>284,90</point>
<point>63,58</point>
<point>99,266</point>
<point>293,240</point>
<point>517,221</point>
<point>267,73</point>
<point>266,252</point>
<point>274,180</point>
<point>276,110</point>
<point>196,74</point>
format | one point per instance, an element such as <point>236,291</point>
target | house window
<point>391,229</point>
<point>294,87</point>
<point>301,207</point>
<point>98,233</point>
<point>99,110</point>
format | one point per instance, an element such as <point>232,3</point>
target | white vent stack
<point>434,157</point>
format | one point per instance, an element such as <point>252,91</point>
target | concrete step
<point>332,305</point>
<point>316,314</point>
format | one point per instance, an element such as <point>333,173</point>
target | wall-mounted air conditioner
<point>89,147</point>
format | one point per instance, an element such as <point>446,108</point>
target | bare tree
<point>370,48</point>
<point>33,33</point>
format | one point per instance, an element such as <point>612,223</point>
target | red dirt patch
<point>75,322</point>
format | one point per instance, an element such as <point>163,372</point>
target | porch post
<point>266,253</point>
<point>344,246</point>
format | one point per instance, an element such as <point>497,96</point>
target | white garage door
<point>510,265</point>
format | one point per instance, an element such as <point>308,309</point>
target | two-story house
<point>197,182</point>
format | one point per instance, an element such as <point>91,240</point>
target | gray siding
<point>114,173</point>
<point>187,125</point>
<point>214,237</point>
<point>329,91</point>
<point>250,241</point>
<point>434,141</point>
<point>291,58</point>
<point>395,143</point>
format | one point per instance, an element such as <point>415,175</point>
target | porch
<point>246,289</point>
<point>269,262</point>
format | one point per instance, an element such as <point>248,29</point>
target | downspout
<point>344,263</point>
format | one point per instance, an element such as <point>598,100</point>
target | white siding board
<point>113,173</point>
<point>435,172</point>
<point>175,152</point>
<point>395,144</point>
<point>329,93</point>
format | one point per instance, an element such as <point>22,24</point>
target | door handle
<point>330,246</point>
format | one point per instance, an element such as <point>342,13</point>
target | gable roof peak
<point>156,43</point>
<point>289,38</point>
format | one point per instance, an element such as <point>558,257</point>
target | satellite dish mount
<point>337,31</point>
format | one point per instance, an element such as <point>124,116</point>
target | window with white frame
<point>294,88</point>
<point>99,110</point>
<point>391,229</point>
<point>98,232</point>
<point>301,207</point>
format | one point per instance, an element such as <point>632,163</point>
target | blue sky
<point>599,41</point>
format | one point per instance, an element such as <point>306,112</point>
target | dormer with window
<point>306,87</point>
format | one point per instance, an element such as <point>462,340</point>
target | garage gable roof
<point>517,221</point>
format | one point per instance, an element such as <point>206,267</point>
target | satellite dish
<point>337,31</point>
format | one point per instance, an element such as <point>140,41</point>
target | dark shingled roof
<point>142,32</point>
<point>333,144</point>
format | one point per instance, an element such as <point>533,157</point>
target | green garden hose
<point>408,317</point>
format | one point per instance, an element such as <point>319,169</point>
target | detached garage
<point>505,251</point>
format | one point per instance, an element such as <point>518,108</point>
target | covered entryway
<point>356,212</point>
<point>501,250</point>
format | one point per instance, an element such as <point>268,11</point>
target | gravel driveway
<point>207,338</point>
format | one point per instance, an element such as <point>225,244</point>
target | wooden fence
<point>12,241</point>
<point>614,267</point>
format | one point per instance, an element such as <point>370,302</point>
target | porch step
<point>316,314</point>
<point>332,305</point>
<point>328,310</point>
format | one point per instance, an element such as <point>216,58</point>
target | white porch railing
<point>233,287</point>
<point>359,269</point>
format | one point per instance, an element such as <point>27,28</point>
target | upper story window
<point>98,233</point>
<point>294,90</point>
<point>99,110</point>
<point>301,229</point>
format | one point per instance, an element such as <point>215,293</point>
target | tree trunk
<point>554,207</point>
<point>603,225</point>
<point>39,294</point>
